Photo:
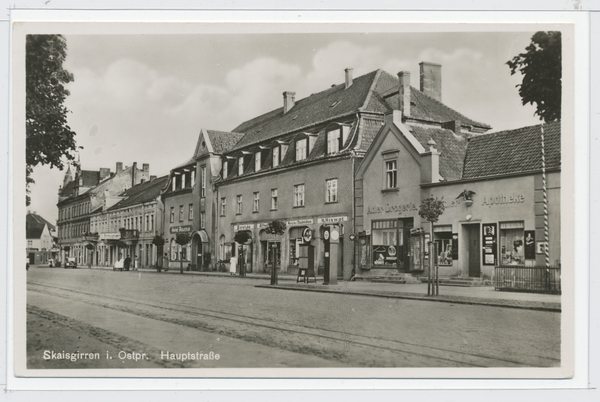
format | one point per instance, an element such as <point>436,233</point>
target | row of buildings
<point>345,171</point>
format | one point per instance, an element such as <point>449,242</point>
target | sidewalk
<point>476,295</point>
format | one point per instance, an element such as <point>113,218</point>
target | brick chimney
<point>430,164</point>
<point>119,167</point>
<point>289,100</point>
<point>348,77</point>
<point>134,171</point>
<point>404,93</point>
<point>146,172</point>
<point>431,80</point>
<point>104,173</point>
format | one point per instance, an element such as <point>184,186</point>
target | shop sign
<point>335,219</point>
<point>110,236</point>
<point>503,199</point>
<point>300,222</point>
<point>180,229</point>
<point>262,225</point>
<point>307,235</point>
<point>392,208</point>
<point>243,227</point>
<point>489,244</point>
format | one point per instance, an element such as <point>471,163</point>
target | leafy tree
<point>182,239</point>
<point>276,227</point>
<point>159,242</point>
<point>241,237</point>
<point>541,69</point>
<point>431,209</point>
<point>48,136</point>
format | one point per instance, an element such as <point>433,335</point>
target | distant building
<point>40,239</point>
<point>84,192</point>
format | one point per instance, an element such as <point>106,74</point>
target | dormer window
<point>257,161</point>
<point>276,155</point>
<point>336,138</point>
<point>301,149</point>
<point>225,168</point>
<point>240,165</point>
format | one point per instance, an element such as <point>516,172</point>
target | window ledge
<point>390,190</point>
<point>331,202</point>
<point>274,209</point>
<point>298,206</point>
<point>255,212</point>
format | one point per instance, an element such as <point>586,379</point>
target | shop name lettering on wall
<point>181,229</point>
<point>503,199</point>
<point>392,208</point>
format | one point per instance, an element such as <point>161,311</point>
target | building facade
<point>40,239</point>
<point>497,200</point>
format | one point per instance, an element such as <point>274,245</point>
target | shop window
<point>239,205</point>
<point>331,194</point>
<point>512,247</point>
<point>274,199</point>
<point>301,146</point>
<point>299,195</point>
<point>391,174</point>
<point>443,239</point>
<point>387,242</point>
<point>255,202</point>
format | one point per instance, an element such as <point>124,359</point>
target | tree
<point>541,69</point>
<point>48,136</point>
<point>182,239</point>
<point>159,242</point>
<point>241,237</point>
<point>431,209</point>
<point>276,227</point>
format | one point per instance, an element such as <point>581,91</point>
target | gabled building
<point>296,165</point>
<point>86,192</point>
<point>40,239</point>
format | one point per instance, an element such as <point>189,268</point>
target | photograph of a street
<point>281,197</point>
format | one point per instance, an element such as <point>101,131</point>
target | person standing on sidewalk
<point>232,265</point>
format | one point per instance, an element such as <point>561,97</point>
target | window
<point>240,165</point>
<point>181,213</point>
<point>191,212</point>
<point>301,149</point>
<point>173,187</point>
<point>276,156</point>
<point>274,199</point>
<point>333,141</point>
<point>443,239</point>
<point>152,222</point>
<point>239,205</point>
<point>299,195</point>
<point>255,202</point>
<point>331,195</point>
<point>172,215</point>
<point>512,243</point>
<point>183,183</point>
<point>174,247</point>
<point>202,220</point>
<point>387,242</point>
<point>147,227</point>
<point>391,172</point>
<point>257,161</point>
<point>223,206</point>
<point>203,178</point>
<point>225,166</point>
<point>193,177</point>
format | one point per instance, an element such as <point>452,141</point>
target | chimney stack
<point>404,93</point>
<point>104,173</point>
<point>119,167</point>
<point>431,80</point>
<point>134,170</point>
<point>288,101</point>
<point>348,77</point>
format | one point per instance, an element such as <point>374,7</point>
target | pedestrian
<point>136,263</point>
<point>232,265</point>
<point>127,263</point>
<point>166,262</point>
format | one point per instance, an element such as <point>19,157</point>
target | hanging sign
<point>300,222</point>
<point>307,235</point>
<point>326,235</point>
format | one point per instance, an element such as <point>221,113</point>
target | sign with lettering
<point>503,199</point>
<point>110,236</point>
<point>335,219</point>
<point>489,244</point>
<point>243,227</point>
<point>378,209</point>
<point>300,222</point>
<point>180,229</point>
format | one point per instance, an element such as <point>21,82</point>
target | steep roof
<point>190,161</point>
<point>68,189</point>
<point>513,151</point>
<point>141,193</point>
<point>35,226</point>
<point>452,148</point>
<point>223,141</point>
<point>90,178</point>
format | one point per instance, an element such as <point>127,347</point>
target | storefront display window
<point>443,239</point>
<point>387,242</point>
<point>512,246</point>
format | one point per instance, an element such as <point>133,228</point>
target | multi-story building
<point>128,228</point>
<point>85,193</point>
<point>297,165</point>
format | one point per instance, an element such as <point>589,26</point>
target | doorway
<point>473,250</point>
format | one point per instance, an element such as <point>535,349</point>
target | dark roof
<point>188,162</point>
<point>68,189</point>
<point>452,148</point>
<point>141,193</point>
<point>35,226</point>
<point>512,151</point>
<point>223,141</point>
<point>90,178</point>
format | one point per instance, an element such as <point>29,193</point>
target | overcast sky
<point>144,98</point>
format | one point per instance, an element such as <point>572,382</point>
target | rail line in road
<point>325,343</point>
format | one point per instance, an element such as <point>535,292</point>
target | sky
<point>144,98</point>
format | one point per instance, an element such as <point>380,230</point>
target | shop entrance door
<point>474,251</point>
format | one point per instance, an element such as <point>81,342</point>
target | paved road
<point>254,327</point>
